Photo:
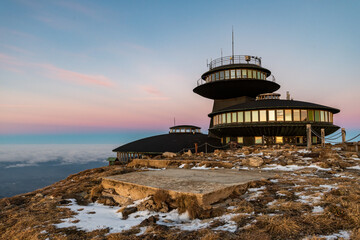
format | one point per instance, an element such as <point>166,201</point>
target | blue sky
<point>74,68</point>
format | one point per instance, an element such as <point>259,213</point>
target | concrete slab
<point>208,186</point>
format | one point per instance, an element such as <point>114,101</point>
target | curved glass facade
<point>273,115</point>
<point>236,74</point>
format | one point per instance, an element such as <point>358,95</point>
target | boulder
<point>126,211</point>
<point>253,162</point>
<point>169,154</point>
<point>188,153</point>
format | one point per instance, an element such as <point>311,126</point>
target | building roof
<point>274,104</point>
<point>168,143</point>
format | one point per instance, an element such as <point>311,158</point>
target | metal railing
<point>236,59</point>
<point>201,81</point>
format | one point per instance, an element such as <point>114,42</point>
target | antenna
<point>232,44</point>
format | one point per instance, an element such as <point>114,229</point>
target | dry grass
<point>279,227</point>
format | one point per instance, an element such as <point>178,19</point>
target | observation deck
<point>235,76</point>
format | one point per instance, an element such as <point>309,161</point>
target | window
<point>240,140</point>
<point>234,117</point>
<point>322,117</point>
<point>228,118</point>
<point>279,115</point>
<point>317,116</point>
<point>288,116</point>
<point>214,121</point>
<point>217,76</point>
<point>299,139</point>
<point>304,115</point>
<point>255,116</point>
<point>244,74</point>
<point>262,115</point>
<point>250,73</point>
<point>279,139</point>
<point>330,117</point>
<point>238,73</point>
<point>247,116</point>
<point>271,115</point>
<point>222,140</point>
<point>232,74</point>
<point>314,139</point>
<point>258,140</point>
<point>223,120</point>
<point>258,75</point>
<point>254,73</point>
<point>240,117</point>
<point>227,139</point>
<point>222,75</point>
<point>326,116</point>
<point>311,115</point>
<point>219,119</point>
<point>227,74</point>
<point>296,115</point>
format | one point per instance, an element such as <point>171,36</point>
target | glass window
<point>214,120</point>
<point>322,117</point>
<point>271,115</point>
<point>262,115</point>
<point>222,75</point>
<point>288,116</point>
<point>255,116</point>
<point>331,117</point>
<point>279,139</point>
<point>228,118</point>
<point>258,75</point>
<point>240,140</point>
<point>223,120</point>
<point>279,115</point>
<point>247,116</point>
<point>238,73</point>
<point>232,74</point>
<point>222,140</point>
<point>244,74</point>
<point>296,115</point>
<point>314,139</point>
<point>227,74</point>
<point>227,139</point>
<point>317,116</point>
<point>219,119</point>
<point>217,76</point>
<point>234,118</point>
<point>250,73</point>
<point>213,77</point>
<point>258,140</point>
<point>240,117</point>
<point>254,73</point>
<point>326,113</point>
<point>311,115</point>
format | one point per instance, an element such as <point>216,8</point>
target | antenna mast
<point>232,57</point>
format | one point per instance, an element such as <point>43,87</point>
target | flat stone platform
<point>208,186</point>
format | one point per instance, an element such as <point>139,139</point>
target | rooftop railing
<point>201,81</point>
<point>236,59</point>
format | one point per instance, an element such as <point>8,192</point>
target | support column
<point>322,137</point>
<point>308,134</point>
<point>343,134</point>
<point>196,148</point>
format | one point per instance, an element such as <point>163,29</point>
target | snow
<point>292,167</point>
<point>341,234</point>
<point>304,151</point>
<point>354,167</point>
<point>203,167</point>
<point>318,209</point>
<point>182,165</point>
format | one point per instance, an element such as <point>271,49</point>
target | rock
<point>126,211</point>
<point>169,154</point>
<point>123,201</point>
<point>253,162</point>
<point>188,153</point>
<point>39,195</point>
<point>312,155</point>
<point>149,221</point>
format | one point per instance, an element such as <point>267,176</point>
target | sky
<point>108,71</point>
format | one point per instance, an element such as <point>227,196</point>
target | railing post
<point>308,133</point>
<point>322,137</point>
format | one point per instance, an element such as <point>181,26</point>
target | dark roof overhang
<point>185,126</point>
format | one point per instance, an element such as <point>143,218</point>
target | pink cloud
<point>154,93</point>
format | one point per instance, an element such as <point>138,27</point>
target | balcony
<point>236,59</point>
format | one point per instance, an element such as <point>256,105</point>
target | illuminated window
<point>228,118</point>
<point>254,73</point>
<point>217,76</point>
<point>311,115</point>
<point>271,115</point>
<point>244,74</point>
<point>279,139</point>
<point>296,115</point>
<point>255,116</point>
<point>227,74</point>
<point>326,116</point>
<point>240,140</point>
<point>258,140</point>
<point>232,74</point>
<point>227,139</point>
<point>222,140</point>
<point>247,116</point>
<point>299,139</point>
<point>317,116</point>
<point>240,117</point>
<point>322,117</point>
<point>288,116</point>
<point>238,73</point>
<point>222,75</point>
<point>250,73</point>
<point>262,115</point>
<point>314,139</point>
<point>219,119</point>
<point>223,120</point>
<point>330,117</point>
<point>214,121</point>
<point>234,118</point>
<point>258,75</point>
<point>279,115</point>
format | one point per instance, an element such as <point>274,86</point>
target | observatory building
<point>246,110</point>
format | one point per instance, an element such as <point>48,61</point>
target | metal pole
<point>322,137</point>
<point>308,132</point>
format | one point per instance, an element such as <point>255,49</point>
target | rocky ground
<point>314,195</point>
